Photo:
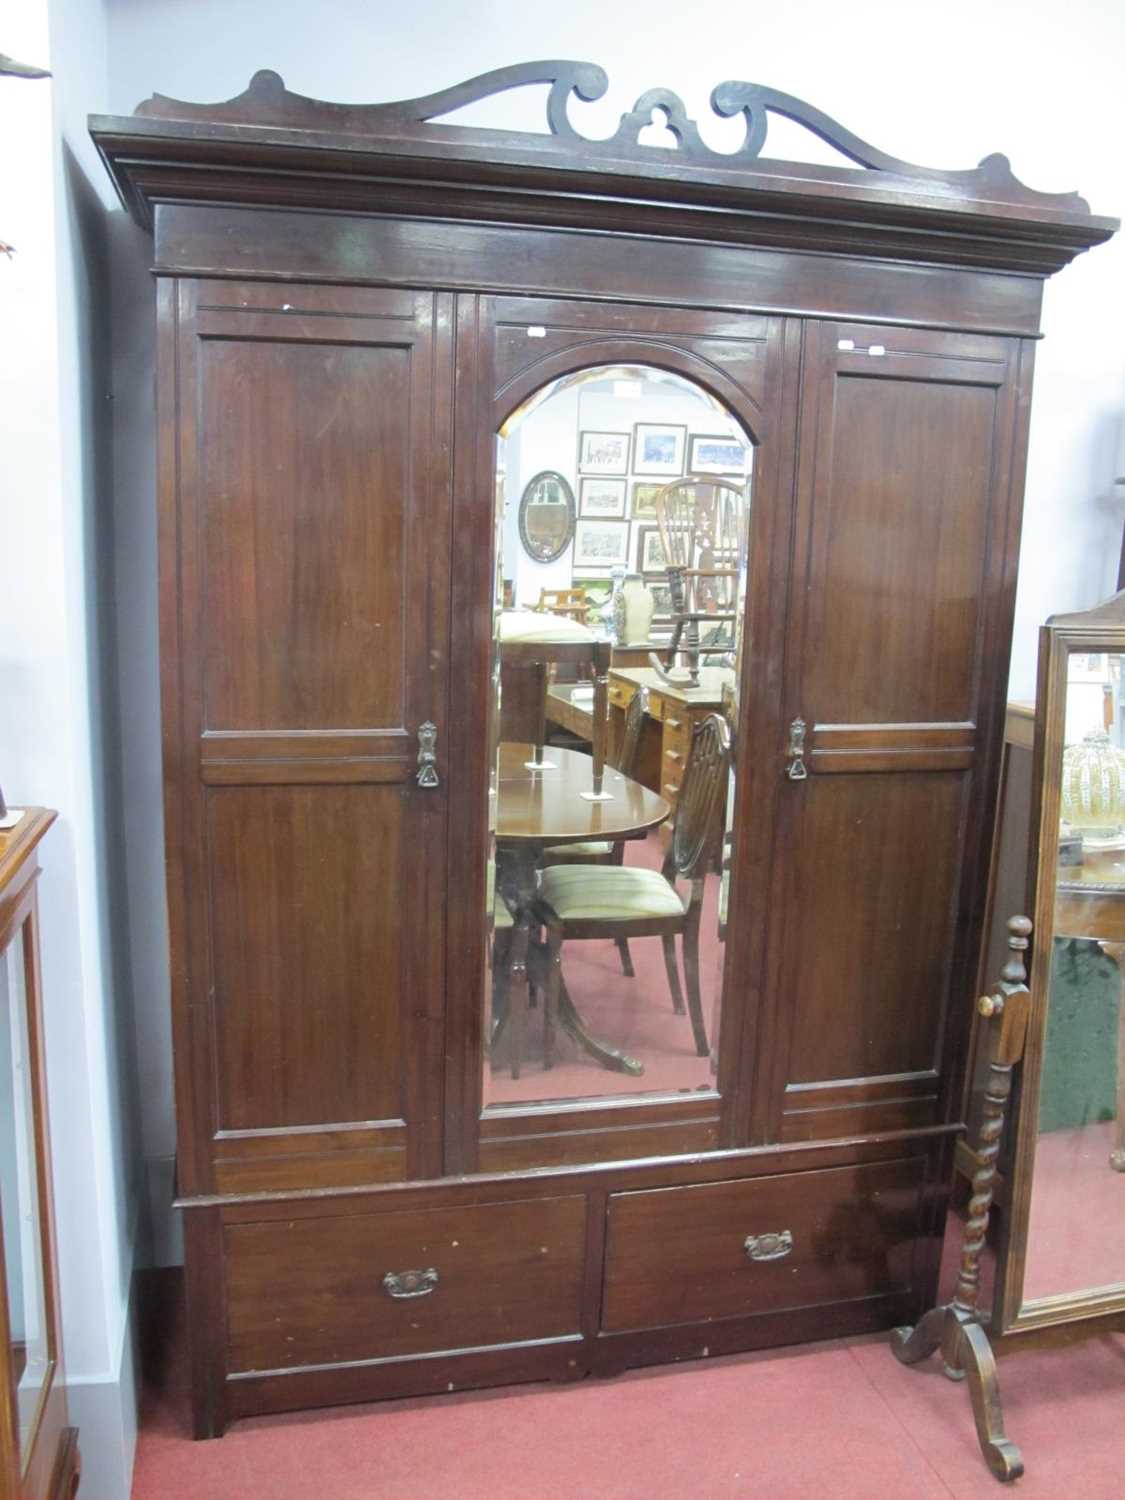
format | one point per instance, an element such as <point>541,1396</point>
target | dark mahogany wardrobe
<point>351,301</point>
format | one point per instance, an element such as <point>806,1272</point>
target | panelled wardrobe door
<point>305,635</point>
<point>901,599</point>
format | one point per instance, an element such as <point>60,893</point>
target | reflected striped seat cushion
<point>599,849</point>
<point>609,893</point>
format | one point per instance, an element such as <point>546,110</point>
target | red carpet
<point>1076,1237</point>
<point>840,1420</point>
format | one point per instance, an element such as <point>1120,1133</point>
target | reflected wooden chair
<point>703,535</point>
<point>609,901</point>
<point>570,603</point>
<point>601,851</point>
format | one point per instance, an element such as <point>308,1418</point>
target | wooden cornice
<point>270,147</point>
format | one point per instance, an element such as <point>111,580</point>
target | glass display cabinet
<point>38,1450</point>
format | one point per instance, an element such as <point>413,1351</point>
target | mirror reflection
<point>29,1349</point>
<point>546,517</point>
<point>613,792</point>
<point>1078,1186</point>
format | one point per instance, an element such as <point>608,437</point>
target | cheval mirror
<point>1063,1256</point>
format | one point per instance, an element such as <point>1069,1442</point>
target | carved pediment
<point>267,102</point>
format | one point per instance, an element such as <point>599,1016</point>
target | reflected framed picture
<point>601,544</point>
<point>661,591</point>
<point>644,500</point>
<point>603,453</point>
<point>717,453</point>
<point>602,497</point>
<point>649,551</point>
<point>658,448</point>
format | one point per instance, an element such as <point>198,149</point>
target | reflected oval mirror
<point>547,516</point>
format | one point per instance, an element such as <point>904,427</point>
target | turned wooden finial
<point>1019,935</point>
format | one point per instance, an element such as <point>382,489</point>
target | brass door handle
<point>774,1246</point>
<point>401,1284</point>
<point>796,770</point>
<point>427,754</point>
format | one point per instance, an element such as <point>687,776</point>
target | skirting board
<point>104,1409</point>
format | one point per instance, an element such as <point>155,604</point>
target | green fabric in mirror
<point>1080,1058</point>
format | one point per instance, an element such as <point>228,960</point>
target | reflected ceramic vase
<point>1093,786</point>
<point>635,609</point>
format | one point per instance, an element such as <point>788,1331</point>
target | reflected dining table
<point>540,807</point>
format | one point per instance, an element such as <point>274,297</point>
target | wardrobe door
<point>305,621</point>
<point>897,638</point>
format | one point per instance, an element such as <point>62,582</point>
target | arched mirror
<point>547,516</point>
<point>608,913</point>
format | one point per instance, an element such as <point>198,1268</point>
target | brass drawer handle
<point>410,1283</point>
<point>674,723</point>
<point>671,786</point>
<point>672,755</point>
<point>768,1246</point>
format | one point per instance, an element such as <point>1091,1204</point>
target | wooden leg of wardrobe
<point>203,1267</point>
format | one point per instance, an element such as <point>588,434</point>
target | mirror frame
<point>571,515</point>
<point>1101,629</point>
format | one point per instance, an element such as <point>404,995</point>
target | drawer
<point>620,694</point>
<point>678,726</point>
<point>310,1291</point>
<point>729,1249</point>
<point>671,774</point>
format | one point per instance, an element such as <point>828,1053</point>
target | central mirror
<point>615,708</point>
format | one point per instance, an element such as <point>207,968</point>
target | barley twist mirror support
<point>955,1327</point>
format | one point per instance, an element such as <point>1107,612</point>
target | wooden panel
<point>537,338</point>
<point>306,475</point>
<point>307,949</point>
<point>904,473</point>
<point>678,1255</point>
<point>309,1291</point>
<point>897,629</point>
<point>248,242</point>
<point>868,936</point>
<point>305,589</point>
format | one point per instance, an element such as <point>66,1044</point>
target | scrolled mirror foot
<point>912,1345</point>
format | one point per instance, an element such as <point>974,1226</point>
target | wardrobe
<point>351,301</point>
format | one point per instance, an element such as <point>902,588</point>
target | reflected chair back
<point>697,833</point>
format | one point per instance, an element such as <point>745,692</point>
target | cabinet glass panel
<point>1074,1241</point>
<point>29,1349</point>
<point>614,696</point>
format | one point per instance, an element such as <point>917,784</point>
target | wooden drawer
<point>680,1255</point>
<point>309,1291</point>
<point>678,726</point>
<point>620,694</point>
<point>672,766</point>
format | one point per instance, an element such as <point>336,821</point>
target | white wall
<point>939,84</point>
<point>58,687</point>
